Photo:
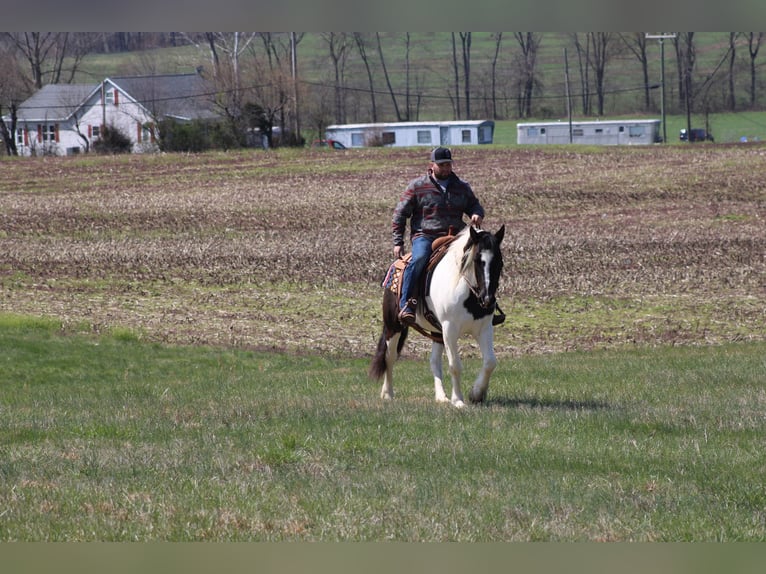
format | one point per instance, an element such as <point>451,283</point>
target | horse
<point>460,300</point>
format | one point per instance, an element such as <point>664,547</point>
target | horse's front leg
<point>437,350</point>
<point>489,362</point>
<point>455,365</point>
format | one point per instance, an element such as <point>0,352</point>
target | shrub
<point>112,141</point>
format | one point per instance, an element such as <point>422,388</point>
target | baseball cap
<point>441,155</point>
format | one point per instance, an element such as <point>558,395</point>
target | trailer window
<point>424,136</point>
<point>466,135</point>
<point>357,139</point>
<point>578,132</point>
<point>388,138</point>
<point>636,131</point>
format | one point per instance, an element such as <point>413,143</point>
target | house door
<point>444,136</point>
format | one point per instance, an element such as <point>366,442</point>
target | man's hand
<point>476,220</point>
<point>398,251</point>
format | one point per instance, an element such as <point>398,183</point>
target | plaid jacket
<point>431,210</point>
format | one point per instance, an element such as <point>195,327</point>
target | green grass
<point>109,438</point>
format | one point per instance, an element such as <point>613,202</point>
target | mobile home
<point>605,132</point>
<point>401,134</point>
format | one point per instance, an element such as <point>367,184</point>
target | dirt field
<point>285,250</point>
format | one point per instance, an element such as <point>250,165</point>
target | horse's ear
<point>474,234</point>
<point>500,233</point>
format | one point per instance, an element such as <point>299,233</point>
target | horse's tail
<point>378,364</point>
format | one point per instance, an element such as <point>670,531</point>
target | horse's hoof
<point>458,404</point>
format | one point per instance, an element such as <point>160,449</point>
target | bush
<point>188,137</point>
<point>112,141</point>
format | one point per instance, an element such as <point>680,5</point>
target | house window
<point>20,136</point>
<point>110,96</point>
<point>49,133</point>
<point>424,136</point>
<point>95,132</point>
<point>466,135</point>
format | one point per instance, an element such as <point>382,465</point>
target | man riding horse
<point>434,204</point>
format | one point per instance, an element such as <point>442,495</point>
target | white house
<point>605,132</point>
<point>64,119</point>
<point>413,133</point>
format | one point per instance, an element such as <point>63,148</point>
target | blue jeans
<point>421,251</point>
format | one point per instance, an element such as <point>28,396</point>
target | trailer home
<point>609,132</point>
<point>402,134</point>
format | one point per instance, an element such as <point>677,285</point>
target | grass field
<point>107,438</point>
<point>184,341</point>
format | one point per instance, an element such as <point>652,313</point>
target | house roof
<point>54,102</point>
<point>181,96</point>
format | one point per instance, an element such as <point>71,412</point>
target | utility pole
<point>294,66</point>
<point>662,38</point>
<point>569,98</point>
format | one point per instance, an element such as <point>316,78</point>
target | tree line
<point>297,81</point>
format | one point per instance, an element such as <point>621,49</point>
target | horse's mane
<point>458,248</point>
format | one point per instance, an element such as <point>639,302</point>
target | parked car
<point>695,135</point>
<point>334,144</point>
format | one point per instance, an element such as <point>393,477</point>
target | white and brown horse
<point>459,300</point>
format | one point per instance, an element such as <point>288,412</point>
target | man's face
<point>441,170</point>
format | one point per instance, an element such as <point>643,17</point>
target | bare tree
<point>361,44</point>
<point>636,42</point>
<point>498,37</point>
<point>529,42</point>
<point>391,91</point>
<point>583,58</point>
<point>456,75</point>
<point>46,53</point>
<point>732,60</point>
<point>338,44</point>
<point>225,50</point>
<point>13,90</point>
<point>754,40</point>
<point>465,42</point>
<point>604,43</point>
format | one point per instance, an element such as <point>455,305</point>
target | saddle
<point>393,281</point>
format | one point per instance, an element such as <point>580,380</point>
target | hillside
<point>430,82</point>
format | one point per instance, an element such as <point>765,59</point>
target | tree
<point>732,59</point>
<point>13,90</point>
<point>338,44</point>
<point>603,44</point>
<point>47,52</point>
<point>583,58</point>
<point>391,91</point>
<point>636,42</point>
<point>361,44</point>
<point>529,42</point>
<point>465,42</point>
<point>754,40</point>
<point>498,37</point>
<point>456,76</point>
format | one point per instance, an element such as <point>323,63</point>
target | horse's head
<point>483,257</point>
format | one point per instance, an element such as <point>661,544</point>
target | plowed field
<point>284,250</point>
